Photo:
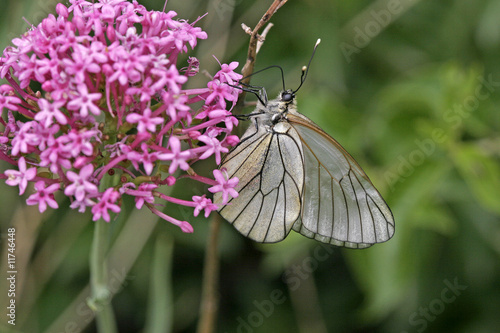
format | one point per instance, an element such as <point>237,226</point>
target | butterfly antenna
<point>260,92</point>
<point>305,69</point>
<point>265,69</point>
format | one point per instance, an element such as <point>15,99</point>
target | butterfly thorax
<point>276,110</point>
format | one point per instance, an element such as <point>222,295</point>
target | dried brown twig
<point>256,40</point>
<point>209,302</point>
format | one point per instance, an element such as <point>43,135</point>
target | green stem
<point>100,298</point>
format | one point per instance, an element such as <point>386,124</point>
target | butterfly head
<point>278,108</point>
<point>287,96</point>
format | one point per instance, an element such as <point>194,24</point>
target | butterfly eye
<point>287,96</point>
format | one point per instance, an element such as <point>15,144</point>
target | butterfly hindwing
<point>340,204</point>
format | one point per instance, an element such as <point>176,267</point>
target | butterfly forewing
<point>340,204</point>
<point>270,172</point>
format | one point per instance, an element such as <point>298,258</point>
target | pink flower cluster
<point>95,107</point>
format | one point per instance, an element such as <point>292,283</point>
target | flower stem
<point>100,298</point>
<point>209,298</point>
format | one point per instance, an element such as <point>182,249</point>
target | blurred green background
<point>409,88</point>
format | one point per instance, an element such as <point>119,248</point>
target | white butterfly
<point>294,175</point>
